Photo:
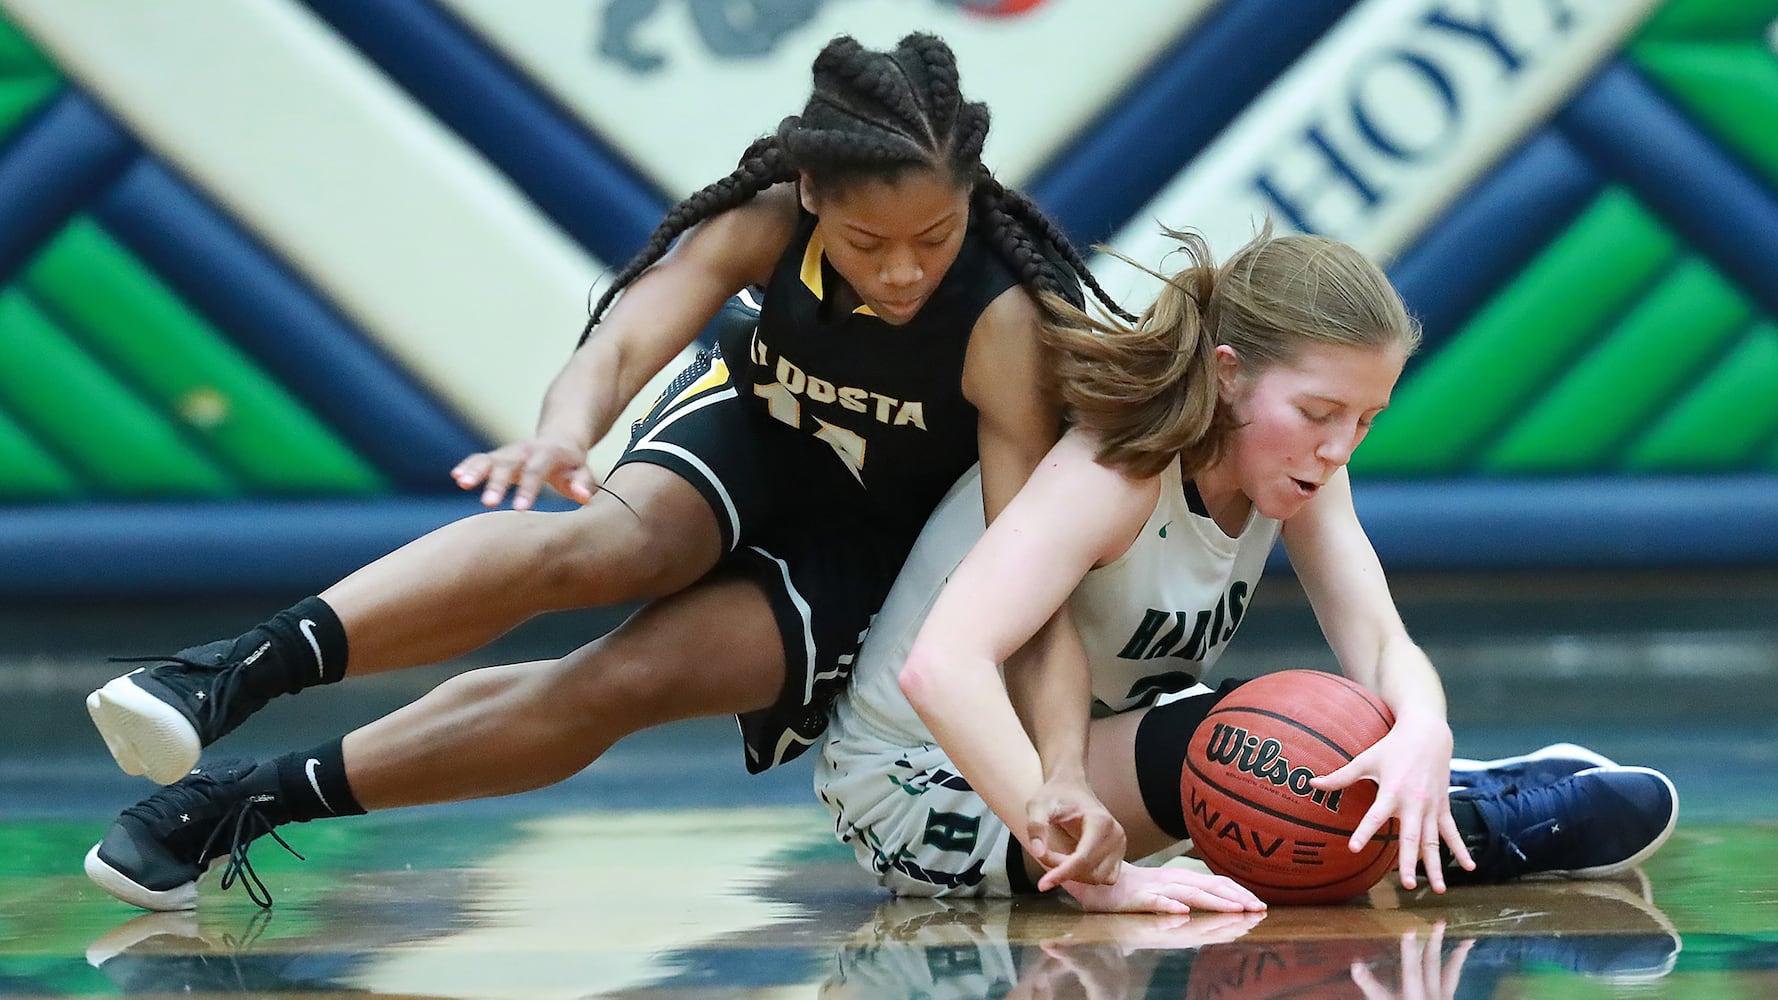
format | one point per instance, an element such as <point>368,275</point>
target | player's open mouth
<point>1305,487</point>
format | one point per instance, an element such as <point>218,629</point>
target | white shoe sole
<point>182,897</point>
<point>1576,751</point>
<point>1607,871</point>
<point>144,734</point>
<point>142,927</point>
<point>1571,750</point>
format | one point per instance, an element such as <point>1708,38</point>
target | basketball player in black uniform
<point>762,510</point>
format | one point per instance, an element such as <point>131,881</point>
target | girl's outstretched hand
<point>1412,768</point>
<point>525,467</point>
<point>1164,890</point>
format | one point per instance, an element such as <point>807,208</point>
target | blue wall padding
<point>1171,112</point>
<point>1481,242</point>
<point>1703,193</point>
<point>52,167</point>
<point>285,548</point>
<point>288,329</point>
<point>293,548</point>
<point>1622,522</point>
<point>588,188</point>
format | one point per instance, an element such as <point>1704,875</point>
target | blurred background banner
<point>269,269</point>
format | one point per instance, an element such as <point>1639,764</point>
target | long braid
<point>762,165</point>
<point>1027,212</point>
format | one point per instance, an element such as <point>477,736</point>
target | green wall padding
<point>1703,19</point>
<point>1521,341</point>
<point>31,472</point>
<point>74,407</point>
<point>26,78</point>
<point>1715,58</point>
<point>128,320</point>
<point>1726,421</point>
<point>1730,89</point>
<point>1626,382</point>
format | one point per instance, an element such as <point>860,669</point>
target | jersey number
<point>783,405</point>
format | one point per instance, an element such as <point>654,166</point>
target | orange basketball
<point>1245,788</point>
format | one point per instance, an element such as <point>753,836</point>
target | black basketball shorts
<point>795,522</point>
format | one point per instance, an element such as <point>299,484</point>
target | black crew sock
<point>300,647</point>
<point>313,783</point>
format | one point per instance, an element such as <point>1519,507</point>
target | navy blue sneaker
<point>1539,767</point>
<point>1592,824</point>
<point>156,719</point>
<point>155,852</point>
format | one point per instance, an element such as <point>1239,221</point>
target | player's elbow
<point>921,677</point>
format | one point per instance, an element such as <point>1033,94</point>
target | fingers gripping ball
<point>1248,805</point>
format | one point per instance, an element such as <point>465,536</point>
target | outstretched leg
<point>442,595</point>
<point>712,649</point>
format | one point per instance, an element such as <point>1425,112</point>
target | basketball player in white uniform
<point>926,761</point>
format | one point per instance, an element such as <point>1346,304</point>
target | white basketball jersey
<point>1153,622</point>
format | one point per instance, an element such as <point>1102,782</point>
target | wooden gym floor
<point>665,871</point>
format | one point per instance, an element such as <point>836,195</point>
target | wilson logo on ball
<point>1264,759</point>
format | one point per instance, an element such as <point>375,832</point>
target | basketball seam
<point>1267,810</point>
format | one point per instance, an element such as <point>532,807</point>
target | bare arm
<point>1340,573</point>
<point>1009,586</point>
<point>656,317</point>
<point>1006,375</point>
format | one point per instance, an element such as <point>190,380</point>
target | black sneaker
<point>156,719</point>
<point>1541,766</point>
<point>1592,824</point>
<point>154,853</point>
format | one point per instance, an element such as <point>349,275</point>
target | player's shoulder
<point>751,236</point>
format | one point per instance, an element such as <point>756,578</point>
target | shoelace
<point>1525,800</point>
<point>208,705</point>
<point>238,867</point>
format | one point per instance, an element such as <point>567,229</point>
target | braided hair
<point>871,116</point>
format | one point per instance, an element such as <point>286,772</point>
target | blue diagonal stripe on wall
<point>1171,113</point>
<point>1621,123</point>
<point>1477,246</point>
<point>53,166</point>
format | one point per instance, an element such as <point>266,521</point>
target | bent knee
<point>604,554</point>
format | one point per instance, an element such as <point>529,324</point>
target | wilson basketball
<point>1245,788</point>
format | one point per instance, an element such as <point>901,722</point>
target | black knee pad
<point>1162,738</point>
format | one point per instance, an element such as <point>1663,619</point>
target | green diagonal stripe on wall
<point>1726,421</point>
<point>1716,59</point>
<point>124,317</point>
<point>26,78</point>
<point>109,437</point>
<point>1478,384</point>
<point>1627,381</point>
<point>32,473</point>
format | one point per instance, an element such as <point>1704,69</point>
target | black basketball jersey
<point>887,401</point>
